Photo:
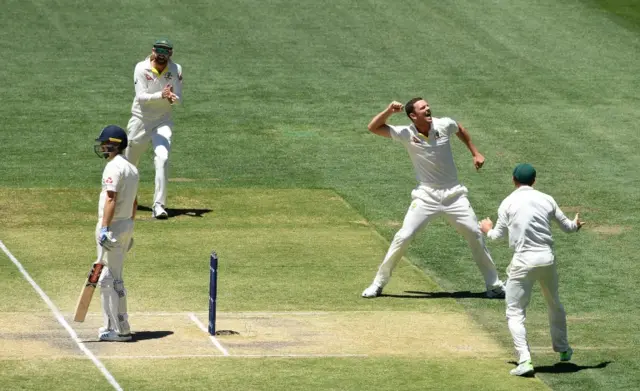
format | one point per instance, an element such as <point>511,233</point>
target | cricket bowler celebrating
<point>114,231</point>
<point>158,85</point>
<point>527,214</point>
<point>439,193</point>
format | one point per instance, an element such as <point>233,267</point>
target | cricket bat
<point>87,292</point>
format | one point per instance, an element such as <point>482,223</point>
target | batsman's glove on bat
<point>106,239</point>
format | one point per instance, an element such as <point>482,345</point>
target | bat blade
<point>87,292</point>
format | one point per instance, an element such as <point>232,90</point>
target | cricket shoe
<point>372,291</point>
<point>525,368</point>
<point>496,293</point>
<point>113,336</point>
<point>159,212</point>
<point>566,356</point>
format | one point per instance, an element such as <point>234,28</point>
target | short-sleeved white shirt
<point>148,104</point>
<point>119,176</point>
<point>431,156</point>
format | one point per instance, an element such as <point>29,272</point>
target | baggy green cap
<point>524,173</point>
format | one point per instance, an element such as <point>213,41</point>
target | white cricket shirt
<point>119,176</point>
<point>527,214</point>
<point>431,156</point>
<point>148,104</point>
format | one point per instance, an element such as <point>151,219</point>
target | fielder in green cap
<point>158,85</point>
<point>524,174</point>
<point>527,215</point>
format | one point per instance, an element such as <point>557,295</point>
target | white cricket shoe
<point>159,212</point>
<point>372,291</point>
<point>113,336</point>
<point>497,292</point>
<point>525,368</point>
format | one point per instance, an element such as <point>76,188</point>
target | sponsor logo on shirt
<point>168,76</point>
<point>108,181</point>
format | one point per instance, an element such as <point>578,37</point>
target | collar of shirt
<point>417,133</point>
<point>523,188</point>
<point>153,70</point>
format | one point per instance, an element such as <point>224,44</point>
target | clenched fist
<point>395,107</point>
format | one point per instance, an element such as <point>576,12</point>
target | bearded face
<point>162,55</point>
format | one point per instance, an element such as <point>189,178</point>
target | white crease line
<point>175,356</point>
<point>61,319</point>
<point>233,314</point>
<point>215,341</point>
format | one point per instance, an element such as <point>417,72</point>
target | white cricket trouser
<point>427,204</point>
<point>139,136</point>
<point>113,294</point>
<point>518,293</point>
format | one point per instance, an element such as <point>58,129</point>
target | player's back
<point>529,214</point>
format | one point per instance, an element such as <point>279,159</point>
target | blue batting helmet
<point>114,137</point>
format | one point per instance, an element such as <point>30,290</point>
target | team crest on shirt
<point>415,140</point>
<point>438,135</point>
<point>168,76</point>
<point>148,77</point>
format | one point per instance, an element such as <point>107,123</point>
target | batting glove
<point>106,239</point>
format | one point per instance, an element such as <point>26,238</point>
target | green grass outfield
<point>300,201</point>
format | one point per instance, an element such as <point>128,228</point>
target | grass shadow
<point>442,295</point>
<point>178,212</point>
<point>145,335</point>
<point>568,367</point>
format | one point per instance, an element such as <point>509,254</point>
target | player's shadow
<point>567,367</point>
<point>145,335</point>
<point>178,212</point>
<point>442,295</point>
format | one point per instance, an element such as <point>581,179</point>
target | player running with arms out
<point>158,86</point>
<point>527,214</point>
<point>427,140</point>
<point>114,231</point>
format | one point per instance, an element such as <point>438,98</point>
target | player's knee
<point>403,235</point>
<point>106,284</point>
<point>160,160</point>
<point>515,313</point>
<point>118,286</point>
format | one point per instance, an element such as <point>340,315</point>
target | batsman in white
<point>527,214</point>
<point>439,193</point>
<point>158,86</point>
<point>114,232</point>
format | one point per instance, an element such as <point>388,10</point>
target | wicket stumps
<point>213,291</point>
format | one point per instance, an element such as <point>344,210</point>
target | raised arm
<point>378,124</point>
<point>465,137</point>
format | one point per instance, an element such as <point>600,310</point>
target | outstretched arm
<point>565,224</point>
<point>378,124</point>
<point>465,137</point>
